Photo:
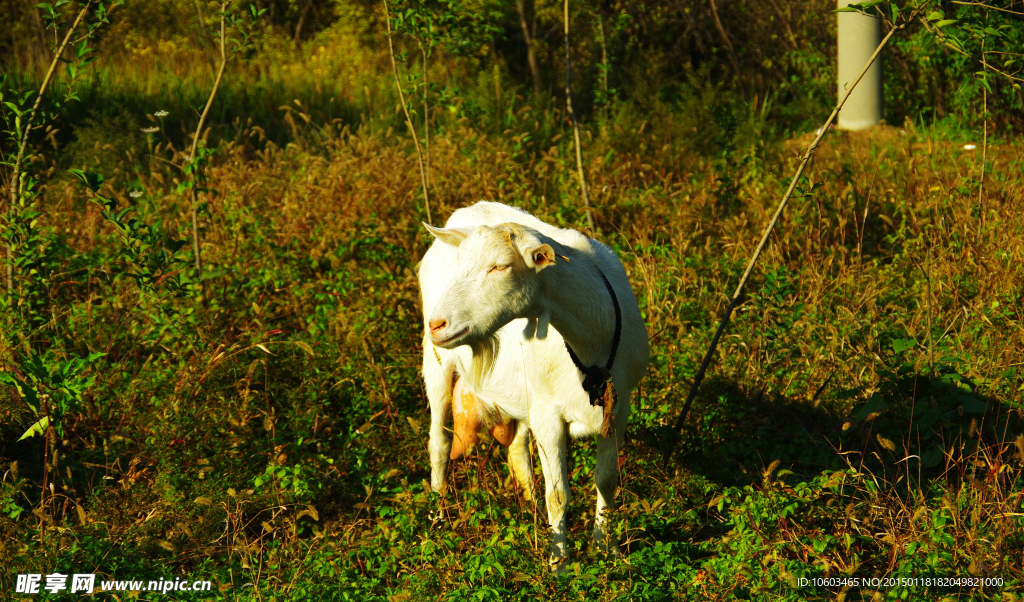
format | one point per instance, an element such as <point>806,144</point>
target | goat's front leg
<point>550,435</point>
<point>437,378</point>
<point>440,446</point>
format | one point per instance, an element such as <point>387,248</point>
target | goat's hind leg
<point>519,461</point>
<point>606,477</point>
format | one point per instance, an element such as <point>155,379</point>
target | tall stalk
<point>531,58</point>
<point>195,142</point>
<point>17,182</point>
<point>984,145</point>
<point>725,38</point>
<point>575,124</point>
<point>405,109</point>
<point>670,443</point>
<point>426,112</point>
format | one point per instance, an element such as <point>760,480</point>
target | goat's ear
<point>540,257</point>
<point>451,236</point>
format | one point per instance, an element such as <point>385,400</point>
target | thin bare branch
<point>670,444</point>
<point>531,58</point>
<point>405,109</point>
<point>199,133</point>
<point>725,38</point>
<point>987,6</point>
<point>941,37</point>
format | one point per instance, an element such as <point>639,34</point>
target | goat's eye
<point>498,268</point>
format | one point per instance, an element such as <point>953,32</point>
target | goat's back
<point>543,363</point>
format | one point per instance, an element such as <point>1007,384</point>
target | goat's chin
<point>457,340</point>
<point>485,351</point>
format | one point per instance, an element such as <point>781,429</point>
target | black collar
<point>595,377</point>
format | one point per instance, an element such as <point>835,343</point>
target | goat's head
<point>494,281</point>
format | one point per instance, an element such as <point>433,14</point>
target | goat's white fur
<point>512,359</point>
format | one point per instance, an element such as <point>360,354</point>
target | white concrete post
<point>859,36</point>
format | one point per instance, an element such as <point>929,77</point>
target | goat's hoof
<point>557,566</point>
<point>558,558</point>
<point>604,544</point>
<point>437,518</point>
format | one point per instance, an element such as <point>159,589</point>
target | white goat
<point>493,281</point>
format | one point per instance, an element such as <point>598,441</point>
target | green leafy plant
<point>52,388</point>
<point>21,120</point>
<point>150,256</point>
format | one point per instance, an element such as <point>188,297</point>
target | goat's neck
<point>580,309</point>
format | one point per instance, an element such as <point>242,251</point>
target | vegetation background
<point>259,421</point>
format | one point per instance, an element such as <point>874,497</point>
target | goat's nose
<point>436,325</point>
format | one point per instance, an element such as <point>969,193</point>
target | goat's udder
<point>466,415</point>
